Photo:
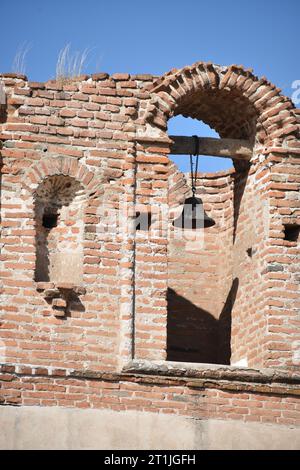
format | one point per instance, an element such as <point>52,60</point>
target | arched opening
<point>180,125</point>
<point>202,285</point>
<point>59,223</point>
<point>224,271</point>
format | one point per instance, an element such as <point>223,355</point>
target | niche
<point>291,232</point>
<point>59,213</point>
<point>142,220</point>
<point>49,220</point>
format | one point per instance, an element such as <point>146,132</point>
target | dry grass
<point>19,62</point>
<point>70,64</point>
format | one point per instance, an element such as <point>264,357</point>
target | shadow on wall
<point>194,334</point>
<point>240,182</point>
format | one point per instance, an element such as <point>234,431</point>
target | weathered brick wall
<point>75,130</point>
<point>283,259</point>
<point>267,313</point>
<point>239,395</point>
<point>250,233</point>
<point>107,137</point>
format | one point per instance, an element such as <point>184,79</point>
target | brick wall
<point>239,396</point>
<point>283,318</point>
<point>94,151</point>
<point>72,131</point>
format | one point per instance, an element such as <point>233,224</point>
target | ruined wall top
<point>230,99</point>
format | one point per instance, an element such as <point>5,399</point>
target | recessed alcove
<point>291,232</point>
<point>143,220</point>
<point>202,288</point>
<point>59,223</point>
<point>49,220</point>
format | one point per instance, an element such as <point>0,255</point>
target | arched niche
<point>59,203</point>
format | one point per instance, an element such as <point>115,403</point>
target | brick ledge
<point>213,371</point>
<point>201,376</point>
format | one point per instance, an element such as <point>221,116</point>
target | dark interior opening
<point>291,232</point>
<point>50,220</point>
<point>142,220</point>
<point>194,335</point>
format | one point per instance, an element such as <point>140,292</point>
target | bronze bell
<point>193,215</point>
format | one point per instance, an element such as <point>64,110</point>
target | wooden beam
<point>229,148</point>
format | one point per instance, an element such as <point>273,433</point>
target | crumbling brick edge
<point>197,376</point>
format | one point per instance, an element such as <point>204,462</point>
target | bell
<point>193,215</point>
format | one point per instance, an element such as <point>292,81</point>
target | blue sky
<point>139,36</point>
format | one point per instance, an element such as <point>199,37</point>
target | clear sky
<point>153,36</point>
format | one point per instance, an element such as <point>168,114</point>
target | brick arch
<point>230,99</point>
<point>66,166</point>
<point>91,183</point>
